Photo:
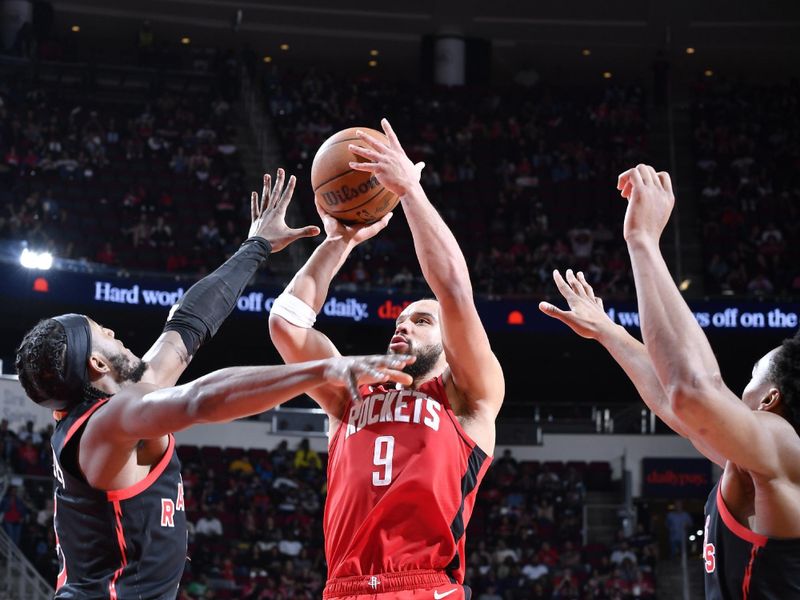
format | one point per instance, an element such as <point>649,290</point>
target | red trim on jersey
<point>737,528</point>
<point>138,488</point>
<point>82,419</point>
<point>61,579</point>
<point>112,585</point>
<point>748,573</point>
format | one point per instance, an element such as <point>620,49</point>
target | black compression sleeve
<point>200,313</point>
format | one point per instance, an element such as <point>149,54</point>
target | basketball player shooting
<point>751,546</point>
<point>405,462</point>
<point>120,522</point>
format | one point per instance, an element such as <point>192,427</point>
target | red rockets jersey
<point>402,482</point>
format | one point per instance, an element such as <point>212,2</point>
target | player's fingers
<point>364,166</point>
<point>365,152</point>
<point>623,178</point>
<point>303,232</point>
<point>265,192</point>
<point>644,173</point>
<point>391,361</point>
<point>372,141</point>
<point>636,179</point>
<point>253,206</point>
<point>287,194</point>
<point>575,284</point>
<point>277,189</point>
<point>387,129</point>
<point>562,285</point>
<point>654,176</point>
<point>352,386</point>
<point>599,301</point>
<point>553,311</point>
<point>586,287</point>
<point>666,181</point>
<point>626,191</point>
<point>419,166</point>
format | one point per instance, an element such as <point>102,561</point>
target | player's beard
<point>127,369</point>
<point>427,357</point>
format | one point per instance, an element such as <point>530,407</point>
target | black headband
<point>76,358</point>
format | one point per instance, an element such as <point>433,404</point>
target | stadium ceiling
<point>739,37</point>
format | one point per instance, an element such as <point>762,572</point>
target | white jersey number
<point>382,457</point>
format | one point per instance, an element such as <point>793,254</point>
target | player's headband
<point>76,358</point>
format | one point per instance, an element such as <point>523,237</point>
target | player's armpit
<point>757,441</point>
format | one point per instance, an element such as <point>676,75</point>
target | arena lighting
<point>75,28</point>
<point>186,41</point>
<point>690,50</point>
<point>699,532</point>
<point>607,75</point>
<point>692,538</point>
<point>586,52</point>
<point>373,63</point>
<point>284,47</point>
<point>685,285</point>
<point>373,53</point>
<point>708,73</point>
<point>267,59</point>
<point>35,260</point>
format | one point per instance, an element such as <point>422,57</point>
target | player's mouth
<point>398,342</point>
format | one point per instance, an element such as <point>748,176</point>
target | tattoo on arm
<point>182,353</point>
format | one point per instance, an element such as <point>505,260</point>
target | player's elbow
<point>200,403</point>
<point>689,395</point>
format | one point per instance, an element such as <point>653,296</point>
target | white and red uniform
<point>402,481</point>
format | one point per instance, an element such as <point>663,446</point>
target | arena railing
<point>20,579</point>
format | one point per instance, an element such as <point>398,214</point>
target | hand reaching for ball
<point>351,234</point>
<point>389,163</point>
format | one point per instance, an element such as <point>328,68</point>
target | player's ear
<point>98,365</point>
<point>771,401</point>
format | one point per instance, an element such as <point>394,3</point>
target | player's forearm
<point>632,356</point>
<point>677,346</point>
<point>440,258</point>
<point>238,392</point>
<point>312,281</point>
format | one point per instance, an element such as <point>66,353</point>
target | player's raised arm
<point>588,319</point>
<point>756,440</point>
<point>291,321</point>
<point>475,369</point>
<point>203,309</point>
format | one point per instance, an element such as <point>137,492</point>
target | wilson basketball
<point>348,195</point>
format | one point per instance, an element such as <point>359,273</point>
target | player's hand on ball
<point>586,315</point>
<point>650,202</point>
<point>352,371</point>
<point>268,216</point>
<point>389,163</point>
<point>355,234</point>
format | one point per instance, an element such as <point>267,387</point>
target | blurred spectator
<point>679,523</point>
<point>305,457</point>
<point>14,512</point>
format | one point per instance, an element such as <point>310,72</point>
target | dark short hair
<point>784,372</point>
<point>40,366</point>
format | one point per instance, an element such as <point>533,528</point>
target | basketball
<point>348,195</point>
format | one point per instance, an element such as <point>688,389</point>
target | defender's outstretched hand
<point>352,371</point>
<point>650,201</point>
<point>389,163</point>
<point>586,315</point>
<point>269,215</point>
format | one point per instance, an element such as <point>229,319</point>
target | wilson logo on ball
<point>346,193</point>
